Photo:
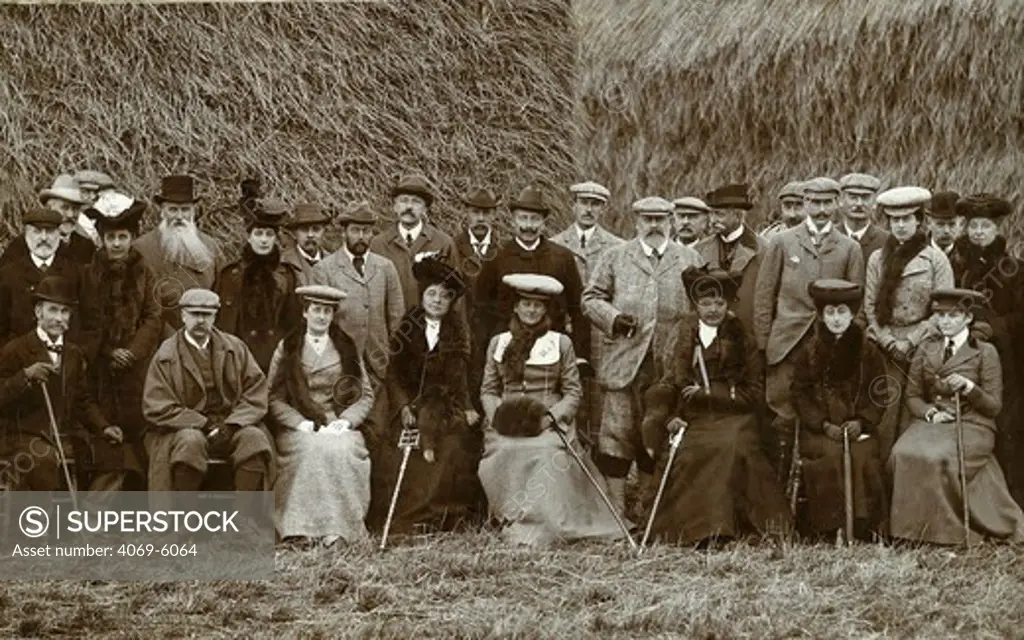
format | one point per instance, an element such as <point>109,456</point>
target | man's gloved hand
<point>854,427</point>
<point>39,372</point>
<point>220,440</point>
<point>623,325</point>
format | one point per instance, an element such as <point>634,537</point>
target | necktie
<point>655,257</point>
<point>408,239</point>
<point>44,267</point>
<point>948,353</point>
<point>358,262</point>
<point>583,241</point>
<point>55,348</point>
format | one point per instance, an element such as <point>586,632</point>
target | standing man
<point>784,311</point>
<point>92,184</point>
<point>64,197</point>
<point>413,235</point>
<point>635,297</point>
<point>733,247</point>
<point>689,220</point>
<point>180,255</point>
<point>791,211</point>
<point>205,397</point>
<point>944,225</point>
<point>308,224</point>
<point>530,252</point>
<point>858,209</point>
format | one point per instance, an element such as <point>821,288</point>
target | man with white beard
<point>180,255</point>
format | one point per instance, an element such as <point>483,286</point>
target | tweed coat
<point>174,279</point>
<point>746,262</point>
<point>911,309</point>
<point>586,259</point>
<point>873,239</point>
<point>783,309</point>
<point>390,244</point>
<point>301,268</point>
<point>18,279</point>
<point>374,306</point>
<point>625,281</point>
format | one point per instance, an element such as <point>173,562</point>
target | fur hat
<point>430,271</point>
<point>519,417</point>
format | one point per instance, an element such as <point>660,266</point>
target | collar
<point>536,244</point>
<point>352,256</point>
<point>648,249</point>
<point>317,258</point>
<point>814,230</point>
<point>432,324</point>
<point>414,232</point>
<point>192,341</point>
<point>960,338</point>
<point>486,242</point>
<point>46,339</point>
<point>706,333</point>
<point>317,339</point>
<point>856,235</point>
<point>585,233</point>
<point>39,263</point>
<point>734,236</point>
<point>948,250</point>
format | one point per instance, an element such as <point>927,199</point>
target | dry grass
<point>473,587</point>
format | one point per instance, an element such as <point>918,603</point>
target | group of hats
<point>69,188</point>
<point>831,291</point>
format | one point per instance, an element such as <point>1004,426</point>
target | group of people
<point>414,381</point>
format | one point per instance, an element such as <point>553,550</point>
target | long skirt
<point>720,484</point>
<point>323,485</point>
<point>540,494</point>
<point>823,484</point>
<point>927,500</point>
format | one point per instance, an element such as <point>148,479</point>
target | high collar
<point>189,339</point>
<point>525,247</point>
<point>814,230</point>
<point>648,249</point>
<point>734,236</point>
<point>317,258</point>
<point>414,232</point>
<point>46,339</point>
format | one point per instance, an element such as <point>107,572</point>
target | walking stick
<point>795,468</point>
<point>60,446</point>
<point>407,441</point>
<point>677,439</point>
<point>593,481</point>
<point>848,485</point>
<point>963,471</point>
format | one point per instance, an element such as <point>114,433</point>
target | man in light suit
<point>635,297</point>
<point>858,209</point>
<point>588,241</point>
<point>734,247</point>
<point>413,235</point>
<point>783,309</point>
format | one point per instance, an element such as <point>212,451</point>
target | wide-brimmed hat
<point>480,198</point>
<point>113,211</point>
<point>530,199</point>
<point>358,213</point>
<point>430,271</point>
<point>178,189</point>
<point>730,196</point>
<point>835,291</point>
<point>268,213</point>
<point>64,188</point>
<point>414,185</point>
<point>55,289</point>
<point>533,285</point>
<point>706,282</point>
<point>306,214</point>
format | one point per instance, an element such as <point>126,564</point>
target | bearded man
<point>308,225</point>
<point>179,254</point>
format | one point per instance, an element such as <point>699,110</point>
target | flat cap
<point>64,188</point>
<point>949,298</point>
<point>793,190</point>
<point>591,190</point>
<point>862,182</point>
<point>943,205</point>
<point>903,201</point>
<point>358,213</point>
<point>94,179</point>
<point>834,291</point>
<point>42,217</point>
<point>200,301</point>
<point>533,285</point>
<point>321,293</point>
<point>821,186</point>
<point>691,204</point>
<point>652,206</point>
<point>983,205</point>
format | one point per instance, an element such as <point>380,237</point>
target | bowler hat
<point>64,188</point>
<point>480,198</point>
<point>178,189</point>
<point>414,185</point>
<point>358,213</point>
<point>307,213</point>
<point>42,217</point>
<point>55,289</point>
<point>731,196</point>
<point>530,199</point>
<point>983,205</point>
<point>943,205</point>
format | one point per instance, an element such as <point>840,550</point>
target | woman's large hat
<point>113,211</point>
<point>834,291</point>
<point>983,205</point>
<point>706,282</point>
<point>533,285</point>
<point>430,271</point>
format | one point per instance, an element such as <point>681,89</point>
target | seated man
<point>29,455</point>
<point>205,396</point>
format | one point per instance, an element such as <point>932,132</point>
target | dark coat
<point>469,266</point>
<point>745,263</point>
<point>258,302</point>
<point>18,279</point>
<point>494,300</point>
<point>79,249</point>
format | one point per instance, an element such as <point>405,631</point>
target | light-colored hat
<point>321,293</point>
<point>652,206</point>
<point>793,190</point>
<point>94,179</point>
<point>821,186</point>
<point>533,285</point>
<point>64,188</point>
<point>691,204</point>
<point>591,190</point>
<point>903,201</point>
<point>200,301</point>
<point>860,182</point>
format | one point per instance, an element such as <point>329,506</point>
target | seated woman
<point>320,395</point>
<point>927,502</point>
<point>427,390</point>
<point>840,383</point>
<point>534,487</point>
<point>720,482</point>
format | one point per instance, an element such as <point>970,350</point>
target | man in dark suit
<point>857,200</point>
<point>30,454</point>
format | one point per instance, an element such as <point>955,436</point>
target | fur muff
<point>660,402</point>
<point>837,360</point>
<point>520,417</point>
<point>437,416</point>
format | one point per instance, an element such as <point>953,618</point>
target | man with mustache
<point>733,247</point>
<point>635,297</point>
<point>25,268</point>
<point>791,209</point>
<point>180,255</point>
<point>944,225</point>
<point>858,191</point>
<point>413,236</point>
<point>784,311</point>
<point>29,453</point>
<point>93,185</point>
<point>65,198</point>
<point>308,225</point>
<point>530,252</point>
<point>689,220</point>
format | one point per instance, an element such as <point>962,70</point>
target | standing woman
<point>531,386</point>
<point>900,276</point>
<point>720,483</point>
<point>927,503</point>
<point>427,390</point>
<point>320,396</point>
<point>836,386</point>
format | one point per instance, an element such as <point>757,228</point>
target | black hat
<point>267,213</point>
<point>114,211</point>
<point>480,198</point>
<point>731,196</point>
<point>179,189</point>
<point>943,205</point>
<point>967,299</point>
<point>530,199</point>
<point>835,291</point>
<point>704,282</point>
<point>414,185</point>
<point>55,289</point>
<point>519,417</point>
<point>983,205</point>
<point>430,271</point>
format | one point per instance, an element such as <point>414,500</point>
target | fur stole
<point>837,360</point>
<point>119,303</point>
<point>259,287</point>
<point>297,385</point>
<point>895,258</point>
<point>518,350</point>
<point>972,263</point>
<point>726,358</point>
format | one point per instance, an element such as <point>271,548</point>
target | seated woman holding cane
<point>720,481</point>
<point>320,395</point>
<point>927,500</point>
<point>531,386</point>
<point>840,383</point>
